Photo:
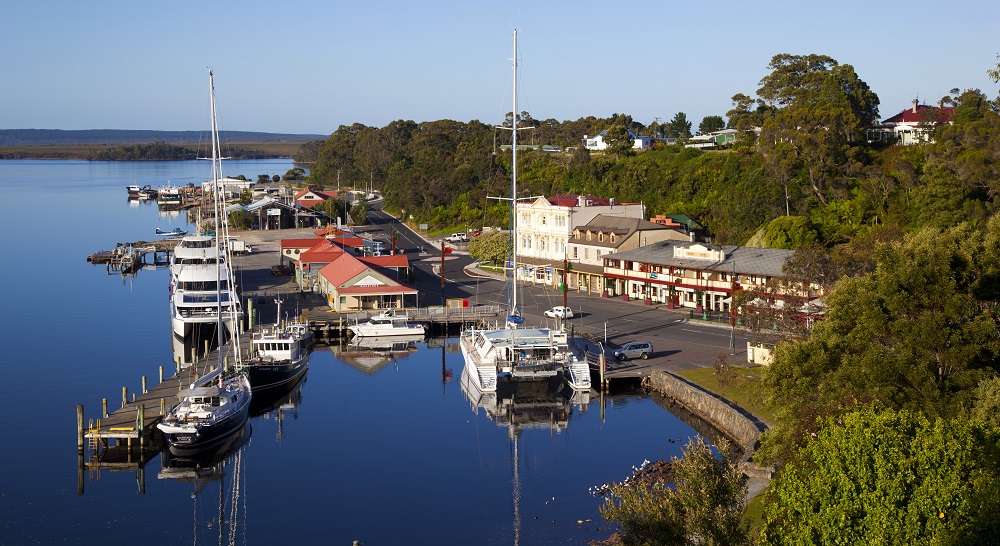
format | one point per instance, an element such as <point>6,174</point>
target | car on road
<point>634,349</point>
<point>457,238</point>
<point>281,270</point>
<point>559,311</point>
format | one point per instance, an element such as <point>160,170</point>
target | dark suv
<point>635,349</point>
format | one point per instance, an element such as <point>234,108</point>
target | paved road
<point>680,343</point>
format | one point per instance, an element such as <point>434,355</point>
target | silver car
<point>634,349</point>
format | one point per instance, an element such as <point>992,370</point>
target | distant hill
<point>115,137</point>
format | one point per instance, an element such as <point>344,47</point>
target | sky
<point>307,67</point>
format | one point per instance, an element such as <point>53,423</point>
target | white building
<point>546,224</point>
<point>597,143</point>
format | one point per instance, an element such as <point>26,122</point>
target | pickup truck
<point>457,238</point>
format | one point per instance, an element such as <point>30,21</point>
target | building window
<point>612,237</point>
<point>543,220</point>
<point>600,236</point>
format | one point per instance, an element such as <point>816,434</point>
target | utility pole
<point>442,272</point>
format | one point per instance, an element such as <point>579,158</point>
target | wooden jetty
<point>130,257</point>
<point>127,438</point>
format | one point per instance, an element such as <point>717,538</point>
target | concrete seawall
<point>734,424</point>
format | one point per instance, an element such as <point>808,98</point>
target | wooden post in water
<point>124,396</point>
<point>161,374</point>
<point>144,384</point>
<point>142,425</point>
<point>163,404</point>
<point>206,348</point>
<point>250,313</point>
<point>79,428</point>
<point>104,408</point>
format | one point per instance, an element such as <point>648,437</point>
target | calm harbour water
<point>382,451</point>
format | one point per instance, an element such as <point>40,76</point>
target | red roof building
<point>915,125</point>
<point>351,285</point>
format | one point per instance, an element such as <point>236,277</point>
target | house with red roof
<point>308,199</point>
<point>915,125</point>
<point>312,256</point>
<point>350,284</point>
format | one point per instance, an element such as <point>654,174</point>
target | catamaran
<point>513,351</point>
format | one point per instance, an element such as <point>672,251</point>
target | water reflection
<point>370,354</point>
<point>222,518</point>
<point>279,405</point>
<point>520,406</point>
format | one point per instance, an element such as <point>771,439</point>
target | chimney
<point>914,106</point>
<point>580,201</point>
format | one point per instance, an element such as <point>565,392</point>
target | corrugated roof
<point>742,259</point>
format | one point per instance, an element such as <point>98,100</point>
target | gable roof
<point>399,260</point>
<point>923,113</point>
<point>342,269</point>
<point>300,243</point>
<point>741,259</point>
<point>323,252</point>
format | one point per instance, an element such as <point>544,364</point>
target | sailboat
<point>214,408</point>
<point>513,351</point>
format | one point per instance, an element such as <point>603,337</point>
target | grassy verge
<point>740,385</point>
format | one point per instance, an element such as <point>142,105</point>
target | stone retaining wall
<point>728,420</point>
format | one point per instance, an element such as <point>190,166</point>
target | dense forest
<point>887,421</point>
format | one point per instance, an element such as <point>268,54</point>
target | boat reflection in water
<point>221,518</point>
<point>277,404</point>
<point>371,354</point>
<point>520,406</point>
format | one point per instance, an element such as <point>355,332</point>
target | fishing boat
<point>512,351</point>
<point>147,192</point>
<point>388,323</point>
<point>133,190</point>
<point>168,196</point>
<point>279,356</point>
<point>214,408</point>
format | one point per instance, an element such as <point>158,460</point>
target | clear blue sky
<point>310,66</point>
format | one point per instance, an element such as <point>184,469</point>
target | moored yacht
<point>210,412</point>
<point>388,323</point>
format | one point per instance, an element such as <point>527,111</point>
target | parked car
<point>634,349</point>
<point>559,311</point>
<point>477,232</point>
<point>281,270</point>
<point>457,238</point>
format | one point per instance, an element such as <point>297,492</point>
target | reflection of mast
<point>514,434</point>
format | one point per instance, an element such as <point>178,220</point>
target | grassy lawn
<point>741,387</point>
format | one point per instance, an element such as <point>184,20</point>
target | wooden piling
<point>161,374</point>
<point>144,384</point>
<point>124,396</point>
<point>79,427</point>
<point>104,408</point>
<point>142,424</point>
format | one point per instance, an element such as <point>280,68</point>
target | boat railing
<point>429,313</point>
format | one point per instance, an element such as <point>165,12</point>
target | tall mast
<point>513,188</point>
<point>218,227</point>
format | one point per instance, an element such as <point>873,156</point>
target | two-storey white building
<point>546,225</point>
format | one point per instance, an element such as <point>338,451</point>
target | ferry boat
<point>388,323</point>
<point>513,351</point>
